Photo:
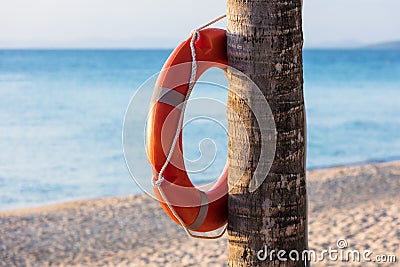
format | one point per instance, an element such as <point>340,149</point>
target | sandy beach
<point>357,203</point>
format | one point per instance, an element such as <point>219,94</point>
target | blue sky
<point>162,24</point>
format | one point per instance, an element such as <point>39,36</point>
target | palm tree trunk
<point>265,42</point>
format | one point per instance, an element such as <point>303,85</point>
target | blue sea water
<point>62,111</point>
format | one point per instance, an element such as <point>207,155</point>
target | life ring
<point>200,211</point>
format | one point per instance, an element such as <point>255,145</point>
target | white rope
<point>160,178</point>
<point>195,36</point>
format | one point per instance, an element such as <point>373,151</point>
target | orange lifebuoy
<point>200,211</point>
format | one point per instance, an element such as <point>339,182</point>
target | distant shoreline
<point>355,164</point>
<point>69,203</point>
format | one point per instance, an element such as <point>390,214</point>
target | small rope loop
<point>158,182</point>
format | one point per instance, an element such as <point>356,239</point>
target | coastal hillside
<point>395,45</point>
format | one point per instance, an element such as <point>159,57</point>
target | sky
<point>163,24</point>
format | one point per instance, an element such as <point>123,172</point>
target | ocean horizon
<point>62,113</point>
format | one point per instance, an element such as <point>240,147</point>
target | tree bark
<point>265,42</point>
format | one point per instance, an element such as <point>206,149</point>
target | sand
<point>356,203</point>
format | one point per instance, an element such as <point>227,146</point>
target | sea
<point>62,118</point>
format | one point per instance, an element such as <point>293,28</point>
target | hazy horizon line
<point>368,47</point>
<point>125,45</point>
<point>391,44</point>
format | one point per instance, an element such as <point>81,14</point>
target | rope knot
<point>158,182</point>
<point>195,34</point>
